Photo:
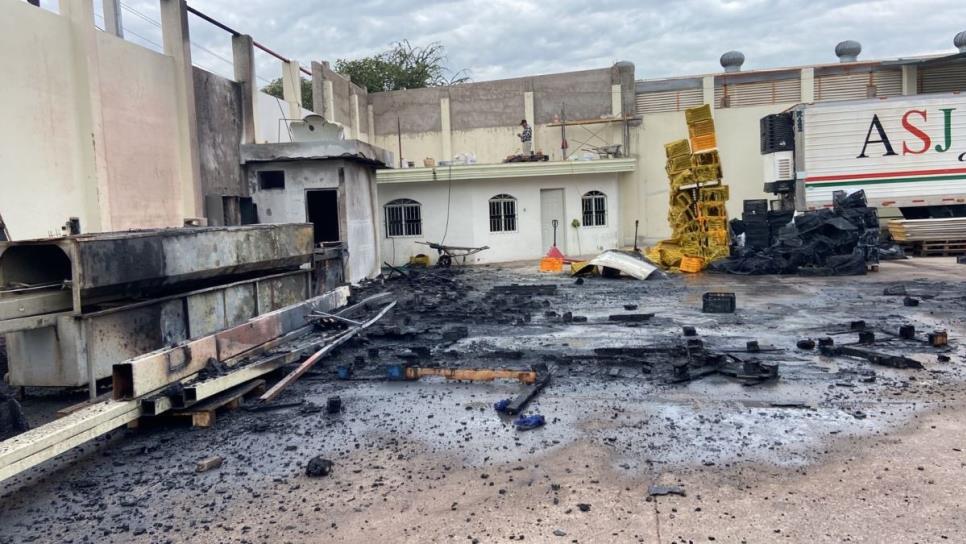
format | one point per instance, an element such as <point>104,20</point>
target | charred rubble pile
<point>838,241</point>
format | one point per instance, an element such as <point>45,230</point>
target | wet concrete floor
<point>835,450</point>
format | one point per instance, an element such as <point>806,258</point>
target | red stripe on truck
<point>887,174</point>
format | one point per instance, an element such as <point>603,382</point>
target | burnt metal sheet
<point>143,263</point>
<point>628,262</point>
<point>48,354</point>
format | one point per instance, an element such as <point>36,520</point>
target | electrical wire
<point>449,202</point>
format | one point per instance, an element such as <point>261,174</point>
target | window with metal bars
<point>595,209</point>
<point>403,218</point>
<point>503,213</point>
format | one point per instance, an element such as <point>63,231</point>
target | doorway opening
<point>322,210</point>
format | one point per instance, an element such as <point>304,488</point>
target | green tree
<point>404,66</point>
<point>274,88</point>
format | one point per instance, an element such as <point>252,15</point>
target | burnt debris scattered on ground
<point>626,411</point>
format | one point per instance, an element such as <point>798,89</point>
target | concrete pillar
<point>707,91</point>
<point>808,85</point>
<point>447,134</point>
<point>354,105</point>
<point>174,34</point>
<point>528,115</point>
<point>243,57</point>
<point>329,108</point>
<point>318,98</point>
<point>910,79</point>
<point>90,151</point>
<point>371,118</point>
<point>616,102</point>
<point>292,88</point>
<point>112,17</point>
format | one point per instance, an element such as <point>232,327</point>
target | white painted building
<point>508,207</point>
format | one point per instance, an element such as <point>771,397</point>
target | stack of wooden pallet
<point>931,237</point>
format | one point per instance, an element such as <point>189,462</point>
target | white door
<point>552,208</point>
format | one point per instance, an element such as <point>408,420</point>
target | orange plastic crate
<point>706,142</point>
<point>701,128</point>
<point>551,264</point>
<point>692,265</point>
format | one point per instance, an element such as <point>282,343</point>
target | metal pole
<point>399,138</point>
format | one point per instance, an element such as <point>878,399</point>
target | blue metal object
<point>343,372</point>
<point>396,372</point>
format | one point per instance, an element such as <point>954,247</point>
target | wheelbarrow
<point>448,253</point>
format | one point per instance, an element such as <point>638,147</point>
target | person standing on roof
<point>526,138</point>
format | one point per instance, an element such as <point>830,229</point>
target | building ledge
<point>505,170</point>
<point>316,150</point>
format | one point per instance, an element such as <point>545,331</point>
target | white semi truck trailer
<point>907,153</point>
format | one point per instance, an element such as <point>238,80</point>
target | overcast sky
<point>495,39</point>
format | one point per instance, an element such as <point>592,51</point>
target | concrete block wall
<point>483,118</point>
<point>97,127</point>
<point>337,99</point>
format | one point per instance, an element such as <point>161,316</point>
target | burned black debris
<point>840,241</point>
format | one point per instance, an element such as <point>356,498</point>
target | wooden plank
<point>473,374</point>
<point>310,362</point>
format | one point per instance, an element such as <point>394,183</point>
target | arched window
<point>595,209</point>
<point>403,218</point>
<point>503,213</point>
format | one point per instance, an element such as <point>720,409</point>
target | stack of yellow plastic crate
<point>699,228</point>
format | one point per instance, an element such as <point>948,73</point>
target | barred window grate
<point>403,218</point>
<point>595,209</point>
<point>503,213</point>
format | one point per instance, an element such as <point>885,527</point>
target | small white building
<point>509,207</point>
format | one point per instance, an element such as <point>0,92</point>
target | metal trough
<point>68,274</point>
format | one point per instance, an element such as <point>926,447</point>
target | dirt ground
<point>835,450</point>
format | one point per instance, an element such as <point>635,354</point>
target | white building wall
<point>108,152</point>
<point>467,203</point>
<point>358,228</point>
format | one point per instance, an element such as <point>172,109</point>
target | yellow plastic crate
<point>717,237</point>
<point>678,164</point>
<point>706,173</point>
<point>704,158</point>
<point>683,178</point>
<point>708,210</point>
<point>720,193</point>
<point>700,113</point>
<point>714,223</point>
<point>677,148</point>
<point>714,253</point>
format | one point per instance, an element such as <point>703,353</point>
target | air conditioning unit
<point>778,166</point>
<point>777,133</point>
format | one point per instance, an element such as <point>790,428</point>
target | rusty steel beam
<point>145,374</point>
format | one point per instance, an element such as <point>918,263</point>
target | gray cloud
<point>506,38</point>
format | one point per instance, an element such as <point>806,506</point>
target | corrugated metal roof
<point>665,101</point>
<point>942,79</point>
<point>758,93</point>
